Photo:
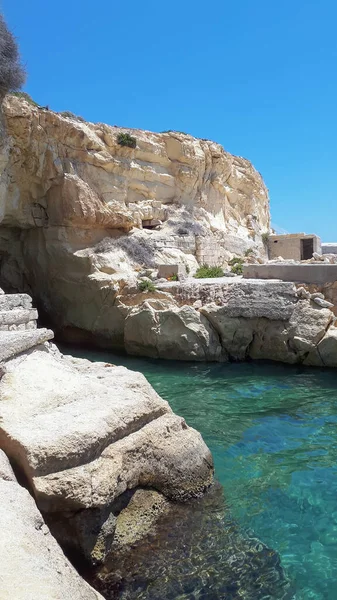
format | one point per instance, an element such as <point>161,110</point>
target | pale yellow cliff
<point>81,215</point>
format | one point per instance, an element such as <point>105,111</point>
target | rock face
<point>32,563</point>
<point>75,208</point>
<point>178,333</point>
<point>235,321</point>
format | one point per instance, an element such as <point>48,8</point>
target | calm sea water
<point>272,430</point>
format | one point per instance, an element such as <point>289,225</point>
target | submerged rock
<point>195,552</point>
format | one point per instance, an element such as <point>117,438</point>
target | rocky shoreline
<point>95,447</point>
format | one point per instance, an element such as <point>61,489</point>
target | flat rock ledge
<point>93,443</point>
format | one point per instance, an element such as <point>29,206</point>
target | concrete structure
<point>319,273</point>
<point>329,248</point>
<point>295,246</point>
<point>165,271</point>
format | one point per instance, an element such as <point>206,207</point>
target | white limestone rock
<point>6,471</point>
<point>173,333</point>
<point>67,186</point>
<point>84,433</point>
<point>33,566</point>
<point>321,301</point>
<point>13,343</point>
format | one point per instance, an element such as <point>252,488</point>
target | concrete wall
<point>289,245</point>
<point>305,273</point>
<point>330,248</point>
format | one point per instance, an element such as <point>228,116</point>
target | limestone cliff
<point>80,213</point>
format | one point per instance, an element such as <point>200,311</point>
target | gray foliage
<point>138,250</point>
<point>12,74</point>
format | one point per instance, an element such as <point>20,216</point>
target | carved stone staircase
<point>18,327</point>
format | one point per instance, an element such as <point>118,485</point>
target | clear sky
<point>260,77</point>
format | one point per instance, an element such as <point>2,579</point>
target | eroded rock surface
<point>245,319</point>
<point>75,207</point>
<point>85,434</point>
<point>33,565</point>
<point>196,551</point>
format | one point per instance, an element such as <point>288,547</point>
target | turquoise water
<point>272,430</point>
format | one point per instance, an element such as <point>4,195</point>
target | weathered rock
<point>86,176</point>
<point>175,333</point>
<point>288,340</point>
<point>327,349</point>
<point>195,550</point>
<point>13,343</point>
<point>11,301</point>
<point>6,471</point>
<point>139,518</point>
<point>12,319</point>
<point>88,432</point>
<point>303,294</point>
<point>68,189</point>
<point>33,566</point>
<point>322,302</point>
<point>236,334</point>
<point>308,324</point>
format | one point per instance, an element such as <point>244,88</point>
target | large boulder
<point>325,353</point>
<point>173,333</point>
<point>85,434</point>
<point>33,565</point>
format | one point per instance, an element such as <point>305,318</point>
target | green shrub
<point>249,251</point>
<point>265,237</point>
<point>174,131</point>
<point>174,277</point>
<point>70,115</point>
<point>26,97</point>
<point>234,261</point>
<point>237,269</point>
<point>125,139</point>
<point>146,286</point>
<point>236,265</point>
<point>12,73</point>
<point>206,271</point>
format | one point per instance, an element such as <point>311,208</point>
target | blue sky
<point>260,77</point>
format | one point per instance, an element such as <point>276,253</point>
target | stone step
<point>13,343</point>
<point>18,318</point>
<point>10,301</point>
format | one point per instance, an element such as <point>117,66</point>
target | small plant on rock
<point>249,251</point>
<point>69,115</point>
<point>236,265</point>
<point>125,139</point>
<point>146,286</point>
<point>234,261</point>
<point>173,277</point>
<point>237,269</point>
<point>205,271</point>
<point>26,97</point>
<point>265,237</point>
